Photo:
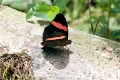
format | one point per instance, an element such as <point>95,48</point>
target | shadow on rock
<point>43,22</point>
<point>58,57</point>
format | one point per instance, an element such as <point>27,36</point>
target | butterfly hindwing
<point>55,39</point>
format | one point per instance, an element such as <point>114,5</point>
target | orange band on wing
<point>60,26</point>
<point>55,38</point>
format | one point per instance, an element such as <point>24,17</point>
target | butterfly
<point>56,33</point>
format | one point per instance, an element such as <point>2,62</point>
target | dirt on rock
<point>16,66</point>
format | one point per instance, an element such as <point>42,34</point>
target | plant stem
<point>96,27</point>
<point>109,14</point>
<point>90,16</point>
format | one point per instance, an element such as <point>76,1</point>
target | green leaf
<point>42,8</point>
<point>116,34</point>
<point>30,13</point>
<point>103,20</point>
<point>53,12</point>
<point>115,10</point>
<point>50,15</point>
<point>39,10</point>
<point>60,3</point>
<point>55,9</point>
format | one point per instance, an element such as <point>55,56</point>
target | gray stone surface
<point>89,57</point>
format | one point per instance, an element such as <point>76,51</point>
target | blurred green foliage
<point>99,17</point>
<point>44,11</point>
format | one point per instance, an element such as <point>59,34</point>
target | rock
<point>89,57</point>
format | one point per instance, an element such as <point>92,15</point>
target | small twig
<point>90,15</point>
<point>96,27</point>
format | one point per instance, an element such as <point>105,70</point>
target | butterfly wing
<point>57,29</point>
<point>55,39</point>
